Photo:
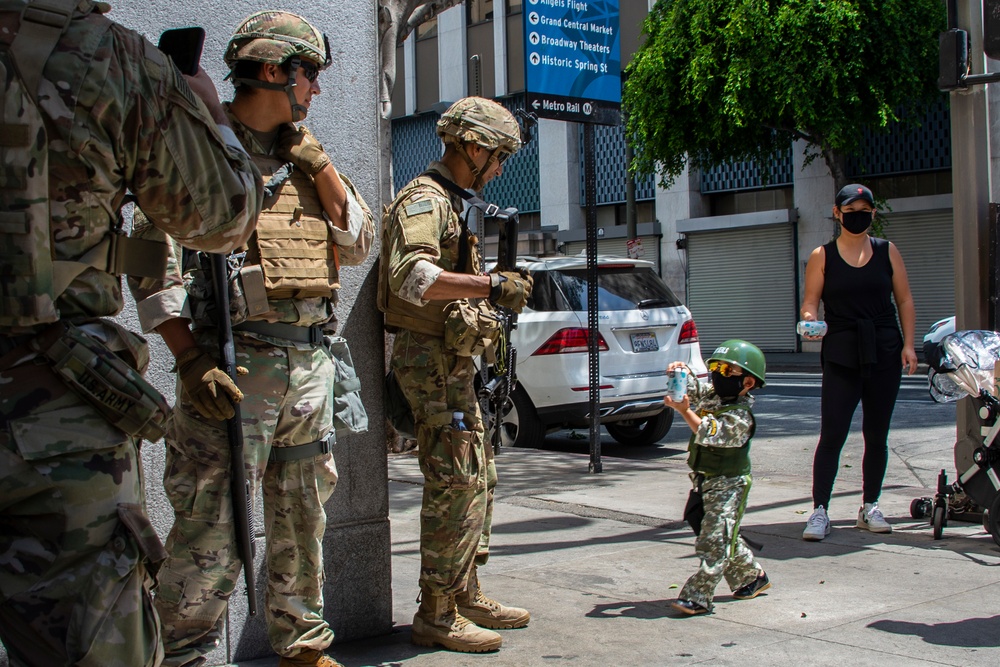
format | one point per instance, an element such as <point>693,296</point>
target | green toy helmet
<point>276,37</point>
<point>743,354</point>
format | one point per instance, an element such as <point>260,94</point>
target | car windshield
<point>624,288</point>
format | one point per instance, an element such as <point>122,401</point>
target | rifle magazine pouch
<point>349,414</point>
<point>116,390</point>
<point>397,408</point>
<point>471,328</point>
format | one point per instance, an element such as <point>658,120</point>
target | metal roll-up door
<point>616,248</point>
<point>741,284</point>
<point>926,242</point>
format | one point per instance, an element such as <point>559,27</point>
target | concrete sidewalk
<point>597,558</point>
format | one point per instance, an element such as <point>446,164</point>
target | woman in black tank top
<point>857,277</point>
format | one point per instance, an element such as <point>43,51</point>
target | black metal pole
<point>590,194</point>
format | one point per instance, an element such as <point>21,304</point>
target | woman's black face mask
<point>856,222</point>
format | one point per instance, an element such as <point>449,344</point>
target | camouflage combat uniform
<point>75,543</point>
<point>722,551</point>
<point>288,402</point>
<point>459,472</point>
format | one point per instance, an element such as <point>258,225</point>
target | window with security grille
<point>478,11</point>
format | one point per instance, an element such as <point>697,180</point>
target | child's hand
<point>676,364</point>
<point>681,406</point>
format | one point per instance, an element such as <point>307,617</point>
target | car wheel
<point>519,423</point>
<point>641,432</point>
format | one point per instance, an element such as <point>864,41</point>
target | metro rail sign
<point>572,60</point>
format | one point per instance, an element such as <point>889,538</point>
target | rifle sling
<point>489,210</point>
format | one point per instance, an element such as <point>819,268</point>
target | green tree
<point>721,80</point>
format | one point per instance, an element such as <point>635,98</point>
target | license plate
<point>644,342</point>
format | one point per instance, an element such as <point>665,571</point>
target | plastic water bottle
<point>458,421</point>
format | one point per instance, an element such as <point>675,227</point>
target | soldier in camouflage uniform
<point>77,551</point>
<point>284,289</point>
<point>722,424</point>
<point>428,266</point>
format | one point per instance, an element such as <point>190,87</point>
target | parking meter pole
<point>590,193</point>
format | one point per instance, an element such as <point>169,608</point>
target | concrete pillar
<point>813,196</point>
<point>500,46</point>
<point>453,65</point>
<point>559,168</point>
<point>681,201</point>
<point>345,117</point>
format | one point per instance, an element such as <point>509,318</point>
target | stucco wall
<point>344,117</point>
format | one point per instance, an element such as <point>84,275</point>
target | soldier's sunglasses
<point>310,71</point>
<point>723,368</point>
<point>503,157</point>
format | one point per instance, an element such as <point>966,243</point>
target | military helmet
<point>743,354</point>
<point>481,121</point>
<point>274,37</point>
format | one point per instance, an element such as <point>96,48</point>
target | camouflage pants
<point>459,472</point>
<point>288,401</point>
<point>721,550</point>
<point>74,584</point>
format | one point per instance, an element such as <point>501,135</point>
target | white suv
<point>643,327</point>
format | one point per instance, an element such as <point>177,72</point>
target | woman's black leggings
<point>843,388</point>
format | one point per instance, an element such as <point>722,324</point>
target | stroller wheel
<point>939,520</point>
<point>920,508</point>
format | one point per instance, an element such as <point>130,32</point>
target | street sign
<point>572,60</point>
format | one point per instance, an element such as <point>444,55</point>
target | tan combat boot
<point>437,622</point>
<point>309,658</point>
<point>484,612</point>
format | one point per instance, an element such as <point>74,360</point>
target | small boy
<point>719,456</point>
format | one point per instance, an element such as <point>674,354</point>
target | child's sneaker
<point>688,607</point>
<point>818,525</point>
<point>754,588</point>
<point>870,518</point>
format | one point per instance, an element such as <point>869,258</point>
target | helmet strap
<point>298,111</point>
<point>477,184</point>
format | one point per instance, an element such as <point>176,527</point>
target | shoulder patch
<point>422,206</point>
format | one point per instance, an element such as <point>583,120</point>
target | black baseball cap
<point>854,192</point>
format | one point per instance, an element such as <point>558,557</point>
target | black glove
<point>510,289</point>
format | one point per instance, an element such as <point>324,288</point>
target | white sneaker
<point>870,518</point>
<point>818,525</point>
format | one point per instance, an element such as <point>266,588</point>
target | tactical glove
<point>207,386</point>
<point>301,148</point>
<point>510,289</point>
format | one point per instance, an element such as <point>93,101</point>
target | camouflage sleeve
<point>191,184</point>
<point>356,242</point>
<point>729,429</point>
<point>414,249</point>
<point>163,298</point>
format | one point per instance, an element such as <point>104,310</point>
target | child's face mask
<point>727,387</point>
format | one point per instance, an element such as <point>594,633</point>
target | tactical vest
<point>293,244</point>
<point>31,279</point>
<point>722,461</point>
<point>399,313</point>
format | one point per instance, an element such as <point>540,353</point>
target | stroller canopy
<point>963,365</point>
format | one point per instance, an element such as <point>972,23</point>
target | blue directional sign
<point>572,60</point>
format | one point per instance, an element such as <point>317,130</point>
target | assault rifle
<point>239,484</point>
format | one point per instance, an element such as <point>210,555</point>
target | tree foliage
<point>723,80</point>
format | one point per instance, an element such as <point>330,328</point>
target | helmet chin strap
<point>478,183</point>
<point>298,111</point>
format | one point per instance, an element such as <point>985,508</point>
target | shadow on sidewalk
<point>967,633</point>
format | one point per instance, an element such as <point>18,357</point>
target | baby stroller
<point>963,367</point>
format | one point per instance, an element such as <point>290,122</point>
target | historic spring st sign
<point>572,60</point>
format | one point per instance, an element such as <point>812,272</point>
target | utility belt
<point>96,374</point>
<point>299,452</point>
<point>312,335</point>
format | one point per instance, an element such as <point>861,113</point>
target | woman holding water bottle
<point>857,277</point>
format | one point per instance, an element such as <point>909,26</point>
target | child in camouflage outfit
<point>720,417</point>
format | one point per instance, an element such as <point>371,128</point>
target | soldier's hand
<point>207,386</point>
<point>301,148</point>
<point>202,86</point>
<point>510,289</point>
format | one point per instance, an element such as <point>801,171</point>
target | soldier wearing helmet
<point>284,285</point>
<point>429,269</point>
<point>722,424</point>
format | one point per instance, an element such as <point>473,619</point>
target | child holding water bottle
<point>722,424</point>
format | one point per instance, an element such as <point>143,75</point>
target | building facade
<point>768,222</point>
